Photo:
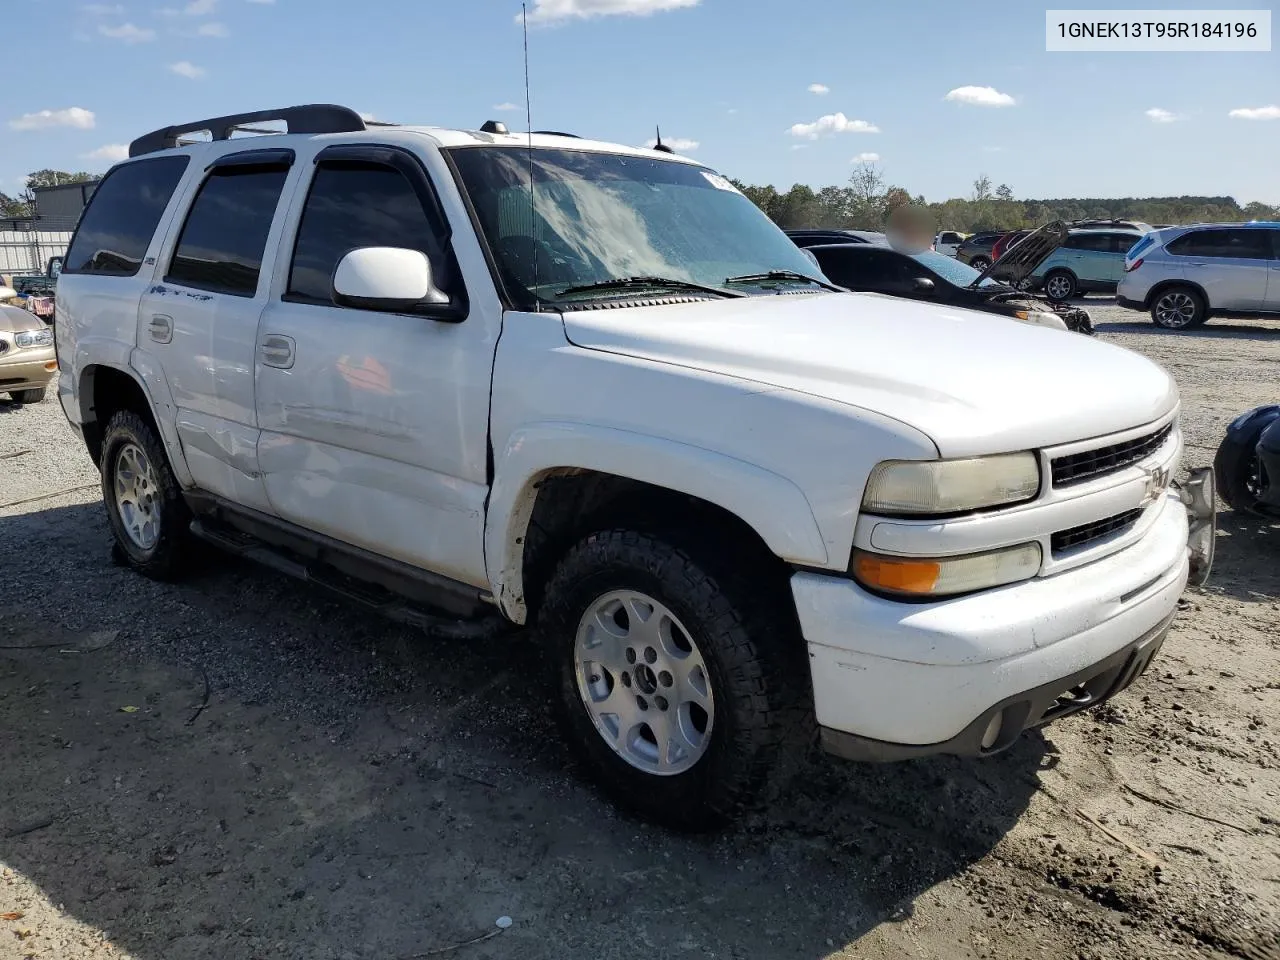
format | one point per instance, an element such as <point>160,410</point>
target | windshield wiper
<point>630,283</point>
<point>790,275</point>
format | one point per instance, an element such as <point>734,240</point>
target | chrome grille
<point>1090,533</point>
<point>1079,467</point>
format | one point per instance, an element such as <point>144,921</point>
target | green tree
<point>1004,192</point>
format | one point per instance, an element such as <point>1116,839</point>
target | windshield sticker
<point>719,182</point>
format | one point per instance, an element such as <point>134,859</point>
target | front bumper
<point>27,369</point>
<point>894,680</point>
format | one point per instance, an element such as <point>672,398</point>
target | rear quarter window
<point>116,228</point>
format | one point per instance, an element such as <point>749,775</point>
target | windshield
<point>961,274</point>
<point>603,216</point>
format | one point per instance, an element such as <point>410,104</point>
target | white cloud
<point>546,11</point>
<point>200,8</point>
<point>111,153</point>
<point>213,30</point>
<point>103,9</point>
<point>1256,113</point>
<point>185,68</point>
<point>980,97</point>
<point>506,107</point>
<point>799,146</point>
<point>77,117</point>
<point>678,144</point>
<point>1159,115</point>
<point>867,158</point>
<point>821,89</point>
<point>128,33</point>
<point>832,123</point>
<point>733,111</point>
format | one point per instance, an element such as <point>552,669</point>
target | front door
<point>200,319</point>
<point>375,423</point>
<point>1231,265</point>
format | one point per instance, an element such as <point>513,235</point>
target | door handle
<point>161,328</point>
<point>277,351</point>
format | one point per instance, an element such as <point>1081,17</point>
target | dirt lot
<point>351,791</point>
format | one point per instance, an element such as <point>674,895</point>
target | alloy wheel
<point>137,496</point>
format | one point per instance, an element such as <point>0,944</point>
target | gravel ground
<point>242,766</point>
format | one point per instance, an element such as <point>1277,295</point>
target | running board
<point>416,598</point>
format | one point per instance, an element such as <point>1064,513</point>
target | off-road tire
<point>1235,469</point>
<point>27,396</point>
<point>172,554</point>
<point>749,642</point>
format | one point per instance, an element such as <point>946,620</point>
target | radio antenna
<point>528,117</point>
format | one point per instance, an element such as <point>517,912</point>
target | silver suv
<point>1185,275</point>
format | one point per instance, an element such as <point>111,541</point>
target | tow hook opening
<point>1199,496</point>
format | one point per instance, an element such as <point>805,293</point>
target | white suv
<point>471,378</point>
<point>1185,275</point>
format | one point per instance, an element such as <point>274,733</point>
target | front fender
<point>1248,427</point>
<point>770,504</point>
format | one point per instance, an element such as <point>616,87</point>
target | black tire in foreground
<point>27,396</point>
<point>1237,470</point>
<point>148,517</point>
<point>1179,308</point>
<point>678,683</point>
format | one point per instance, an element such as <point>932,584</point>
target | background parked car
<point>947,242</point>
<point>936,278</point>
<point>27,360</point>
<point>1089,260</point>
<point>1185,275</point>
<point>809,238</point>
<point>1005,242</point>
<point>975,250</point>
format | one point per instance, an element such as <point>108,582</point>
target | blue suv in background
<point>1091,259</point>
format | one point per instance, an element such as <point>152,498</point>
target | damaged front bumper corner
<point>1198,494</point>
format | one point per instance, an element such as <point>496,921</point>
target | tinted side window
<point>117,226</point>
<point>225,235</point>
<point>1089,241</point>
<point>1249,244</point>
<point>1122,242</point>
<point>356,204</point>
<point>862,269</point>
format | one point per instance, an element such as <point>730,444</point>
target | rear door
<point>200,320</point>
<point>1120,244</point>
<point>1231,265</point>
<point>1273,274</point>
<point>1089,255</point>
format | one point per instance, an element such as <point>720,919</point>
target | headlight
<point>34,338</point>
<point>946,576</point>
<point>951,486</point>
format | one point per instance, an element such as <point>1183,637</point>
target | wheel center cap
<point>646,679</point>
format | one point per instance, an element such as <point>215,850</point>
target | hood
<point>1020,260</point>
<point>14,319</point>
<point>971,381</point>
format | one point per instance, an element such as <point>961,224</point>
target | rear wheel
<point>980,263</point>
<point>27,396</point>
<point>1178,308</point>
<point>148,517</point>
<point>675,681</point>
<point>1060,285</point>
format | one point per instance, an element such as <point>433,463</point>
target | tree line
<point>867,200</point>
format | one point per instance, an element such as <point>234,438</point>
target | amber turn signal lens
<point>896,575</point>
<point>51,365</point>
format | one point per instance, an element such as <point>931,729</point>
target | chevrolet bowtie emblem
<point>1157,483</point>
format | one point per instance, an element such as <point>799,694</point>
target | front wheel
<point>148,517</point>
<point>674,682</point>
<point>980,263</point>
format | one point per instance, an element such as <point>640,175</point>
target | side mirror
<point>386,278</point>
<point>922,285</point>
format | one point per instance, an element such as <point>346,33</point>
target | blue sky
<point>734,76</point>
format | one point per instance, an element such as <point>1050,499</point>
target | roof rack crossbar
<point>308,118</point>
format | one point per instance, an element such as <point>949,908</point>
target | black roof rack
<point>308,118</point>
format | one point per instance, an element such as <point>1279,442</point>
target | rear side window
<point>118,224</point>
<point>1089,241</point>
<point>225,235</point>
<point>1247,244</point>
<point>863,269</point>
<point>1123,242</point>
<point>353,204</point>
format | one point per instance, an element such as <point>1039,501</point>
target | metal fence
<point>28,251</point>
